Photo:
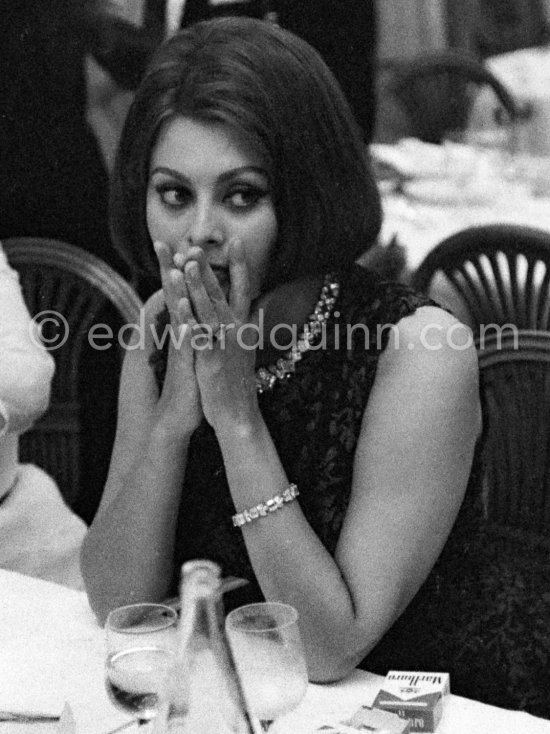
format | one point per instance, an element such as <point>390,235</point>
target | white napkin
<point>411,158</point>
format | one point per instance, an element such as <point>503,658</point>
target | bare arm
<point>127,555</point>
<point>411,469</point>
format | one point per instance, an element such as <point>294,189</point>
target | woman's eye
<point>173,196</point>
<point>241,198</point>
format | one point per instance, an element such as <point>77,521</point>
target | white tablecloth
<point>419,225</point>
<point>450,187</point>
<point>51,650</point>
<point>338,701</point>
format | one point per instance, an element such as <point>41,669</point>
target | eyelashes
<point>173,196</point>
<point>246,197</point>
<point>241,197</point>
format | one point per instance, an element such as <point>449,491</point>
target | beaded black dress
<point>482,614</point>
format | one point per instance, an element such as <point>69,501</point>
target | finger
<point>196,329</point>
<point>177,289</point>
<point>203,307</point>
<point>173,287</point>
<point>164,254</point>
<point>213,287</point>
<point>183,332</point>
<point>185,312</point>
<point>180,259</point>
<point>239,294</point>
<point>209,279</point>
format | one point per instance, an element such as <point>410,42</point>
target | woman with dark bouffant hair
<point>282,411</point>
<point>326,200</point>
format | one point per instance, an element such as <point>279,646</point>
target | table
<point>420,225</point>
<point>52,648</point>
<point>51,651</point>
<point>453,186</point>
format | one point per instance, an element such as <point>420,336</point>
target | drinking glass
<point>140,648</point>
<point>269,657</point>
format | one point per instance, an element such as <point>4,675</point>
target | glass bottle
<point>202,693</point>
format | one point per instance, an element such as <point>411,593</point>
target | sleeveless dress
<point>483,614</point>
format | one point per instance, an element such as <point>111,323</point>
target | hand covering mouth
<point>222,274</point>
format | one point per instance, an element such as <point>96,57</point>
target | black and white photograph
<point>274,366</point>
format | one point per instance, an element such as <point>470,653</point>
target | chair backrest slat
<point>506,267</point>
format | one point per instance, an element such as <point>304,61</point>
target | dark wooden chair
<point>436,93</point>
<point>500,273</point>
<point>67,291</point>
<point>515,387</point>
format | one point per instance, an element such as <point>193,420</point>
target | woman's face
<point>205,190</point>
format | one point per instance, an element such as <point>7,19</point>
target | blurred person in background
<point>53,176</point>
<point>54,182</point>
<point>39,535</point>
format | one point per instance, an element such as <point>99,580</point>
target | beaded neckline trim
<point>267,377</point>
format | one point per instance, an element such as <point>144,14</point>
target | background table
<point>420,225</point>
<point>433,191</point>
<point>51,649</point>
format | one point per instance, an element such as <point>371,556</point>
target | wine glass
<point>269,657</point>
<point>140,648</point>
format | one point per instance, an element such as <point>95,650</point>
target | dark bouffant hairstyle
<point>276,92</point>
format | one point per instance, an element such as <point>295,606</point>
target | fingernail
<point>192,270</point>
<point>236,249</point>
<point>179,259</point>
<point>175,276</point>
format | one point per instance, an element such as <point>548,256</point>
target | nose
<point>205,228</point>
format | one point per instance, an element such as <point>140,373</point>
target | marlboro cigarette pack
<point>415,696</point>
<point>365,719</point>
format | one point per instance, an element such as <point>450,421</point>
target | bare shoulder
<point>431,344</point>
<point>426,387</point>
<point>431,352</point>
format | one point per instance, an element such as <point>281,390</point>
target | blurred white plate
<point>446,192</point>
<point>411,158</point>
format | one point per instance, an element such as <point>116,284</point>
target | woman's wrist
<point>242,426</point>
<point>170,432</point>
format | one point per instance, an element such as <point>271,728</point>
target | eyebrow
<point>225,176</point>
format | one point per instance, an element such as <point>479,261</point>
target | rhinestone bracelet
<point>261,510</point>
